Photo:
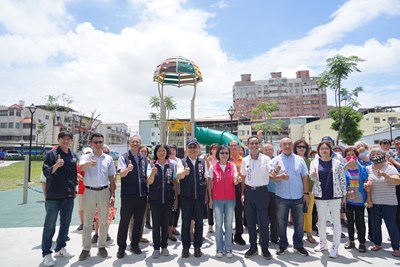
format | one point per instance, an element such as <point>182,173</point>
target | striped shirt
<point>382,192</point>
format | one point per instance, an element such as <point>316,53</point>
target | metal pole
<point>26,177</point>
<point>231,123</point>
<point>391,136</point>
<point>30,148</point>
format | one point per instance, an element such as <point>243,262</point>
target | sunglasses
<point>302,147</point>
<point>192,147</point>
<point>106,152</point>
<point>97,142</point>
<point>224,153</point>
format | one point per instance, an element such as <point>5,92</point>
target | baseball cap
<point>327,139</point>
<point>192,141</point>
<point>87,150</point>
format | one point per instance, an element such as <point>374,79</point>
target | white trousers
<point>323,207</point>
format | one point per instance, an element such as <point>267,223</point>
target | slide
<point>207,136</point>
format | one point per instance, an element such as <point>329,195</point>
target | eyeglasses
<point>106,152</point>
<point>192,147</point>
<point>302,147</point>
<point>224,153</point>
<point>97,142</point>
<point>253,143</point>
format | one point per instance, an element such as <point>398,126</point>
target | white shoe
<point>229,254</point>
<point>63,253</point>
<point>334,252</point>
<point>48,260</point>
<point>219,254</point>
<point>320,247</point>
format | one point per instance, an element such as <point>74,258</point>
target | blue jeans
<point>223,212</point>
<point>282,213</point>
<point>53,207</point>
<point>385,212</point>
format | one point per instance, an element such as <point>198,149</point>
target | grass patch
<point>12,177</point>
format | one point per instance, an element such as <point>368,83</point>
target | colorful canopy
<point>177,71</point>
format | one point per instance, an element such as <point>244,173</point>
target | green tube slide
<point>207,136</point>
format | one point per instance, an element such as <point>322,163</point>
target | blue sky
<point>103,52</point>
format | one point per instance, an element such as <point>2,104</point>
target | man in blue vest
<point>193,183</point>
<point>134,191</point>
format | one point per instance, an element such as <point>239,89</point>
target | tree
<point>338,68</point>
<point>155,102</point>
<point>265,109</point>
<point>350,125</point>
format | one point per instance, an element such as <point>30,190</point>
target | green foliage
<point>338,68</point>
<point>349,126</point>
<point>12,176</point>
<point>266,109</point>
<point>155,102</point>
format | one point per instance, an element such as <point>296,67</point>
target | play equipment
<point>207,136</point>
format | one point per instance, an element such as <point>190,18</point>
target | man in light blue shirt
<point>291,176</point>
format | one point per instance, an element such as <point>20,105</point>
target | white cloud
<point>113,73</point>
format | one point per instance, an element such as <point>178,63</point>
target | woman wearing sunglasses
<point>223,177</point>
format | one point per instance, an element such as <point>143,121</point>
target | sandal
<point>311,239</point>
<point>375,248</point>
<point>396,253</point>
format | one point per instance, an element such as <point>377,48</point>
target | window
<point>10,125</point>
<point>26,126</point>
<point>3,113</point>
<point>377,120</point>
<point>47,117</point>
<point>12,112</point>
<point>17,125</point>
<point>3,125</point>
<point>392,119</point>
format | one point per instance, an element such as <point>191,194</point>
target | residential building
<point>114,133</point>
<point>300,96</point>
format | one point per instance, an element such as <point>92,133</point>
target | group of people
<point>262,191</point>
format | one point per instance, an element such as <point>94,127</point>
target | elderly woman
<point>381,188</point>
<point>329,189</point>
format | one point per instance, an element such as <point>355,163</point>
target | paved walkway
<point>6,163</point>
<point>21,229</point>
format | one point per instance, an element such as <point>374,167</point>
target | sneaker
<point>350,245</point>
<point>102,252</point>
<point>185,253</point>
<point>165,251</point>
<point>63,253</point>
<point>95,238</point>
<point>48,260</point>
<point>219,254</point>
<point>80,227</point>
<point>229,254</point>
<point>84,255</point>
<point>144,240</point>
<point>251,252</point>
<point>266,254</point>
<point>156,254</point>
<point>301,250</point>
<point>136,250</point>
<point>333,253</point>
<point>281,251</point>
<point>210,229</point>
<point>362,248</point>
<point>321,247</point>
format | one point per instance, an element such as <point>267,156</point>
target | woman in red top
<point>223,177</point>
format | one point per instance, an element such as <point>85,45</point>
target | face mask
<point>363,154</point>
<point>349,158</point>
<point>377,159</point>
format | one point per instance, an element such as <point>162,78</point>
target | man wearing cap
<point>60,170</point>
<point>99,192</point>
<point>193,184</point>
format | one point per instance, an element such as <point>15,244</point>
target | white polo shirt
<point>97,176</point>
<point>256,171</point>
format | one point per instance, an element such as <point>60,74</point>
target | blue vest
<point>194,185</point>
<point>162,189</point>
<point>135,183</point>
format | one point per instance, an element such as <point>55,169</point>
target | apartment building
<point>300,96</point>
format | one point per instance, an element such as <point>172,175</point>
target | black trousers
<point>238,211</point>
<point>192,209</point>
<point>273,228</point>
<point>135,206</point>
<point>160,215</point>
<point>173,221</point>
<point>355,214</point>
